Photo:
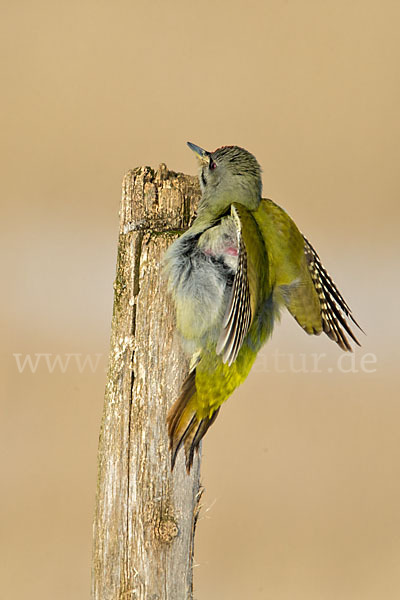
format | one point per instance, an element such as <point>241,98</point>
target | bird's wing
<point>315,302</point>
<point>333,307</point>
<point>243,298</point>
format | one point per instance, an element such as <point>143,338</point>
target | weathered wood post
<point>145,515</point>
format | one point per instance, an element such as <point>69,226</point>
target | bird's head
<point>229,174</point>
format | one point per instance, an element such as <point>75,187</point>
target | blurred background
<point>302,468</point>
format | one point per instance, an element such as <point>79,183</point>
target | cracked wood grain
<point>145,515</point>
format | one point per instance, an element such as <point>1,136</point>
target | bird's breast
<point>220,242</point>
<point>200,271</point>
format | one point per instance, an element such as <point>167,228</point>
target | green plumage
<point>242,260</point>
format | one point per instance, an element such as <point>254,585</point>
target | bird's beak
<point>201,154</point>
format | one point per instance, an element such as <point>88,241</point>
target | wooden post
<point>145,515</point>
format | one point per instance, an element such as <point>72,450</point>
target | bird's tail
<point>184,427</point>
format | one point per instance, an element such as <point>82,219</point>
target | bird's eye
<point>213,165</point>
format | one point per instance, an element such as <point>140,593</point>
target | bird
<point>230,274</point>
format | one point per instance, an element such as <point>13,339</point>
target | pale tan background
<point>301,470</point>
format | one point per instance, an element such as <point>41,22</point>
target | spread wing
<point>301,281</point>
<point>334,308</point>
<point>238,314</point>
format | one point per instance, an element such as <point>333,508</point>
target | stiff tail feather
<point>184,428</point>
